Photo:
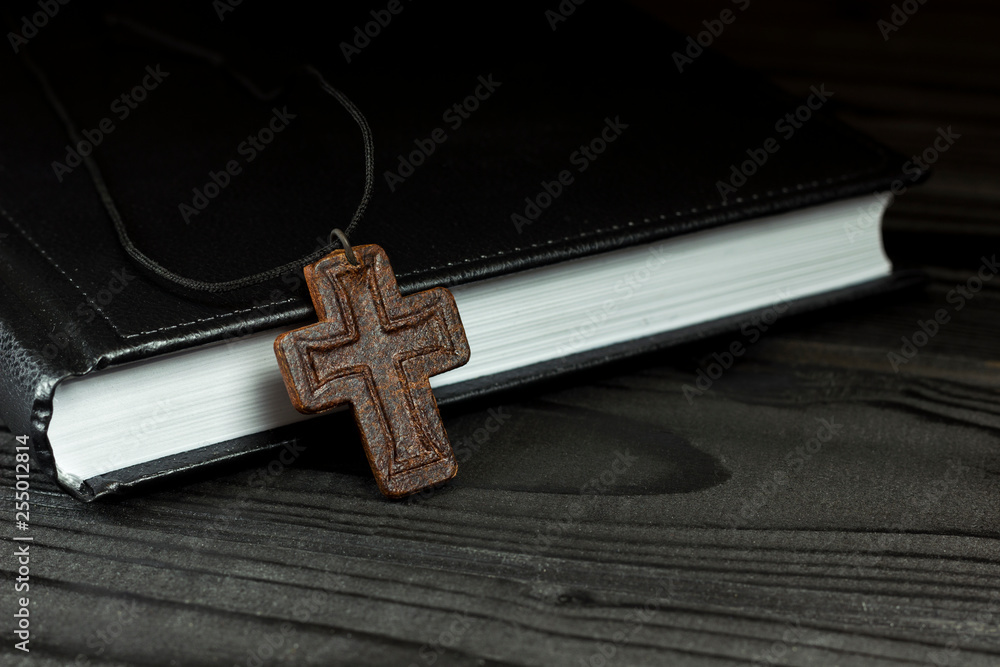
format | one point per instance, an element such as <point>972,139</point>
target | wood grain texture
<point>812,507</point>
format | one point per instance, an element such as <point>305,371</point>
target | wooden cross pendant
<point>376,350</point>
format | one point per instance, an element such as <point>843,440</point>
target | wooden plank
<point>607,518</point>
<point>877,546</point>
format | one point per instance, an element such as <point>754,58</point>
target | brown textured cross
<point>376,350</point>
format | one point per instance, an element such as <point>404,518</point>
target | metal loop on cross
<point>348,250</point>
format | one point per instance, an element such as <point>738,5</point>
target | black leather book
<point>584,197</point>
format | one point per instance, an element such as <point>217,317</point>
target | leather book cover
<point>502,143</point>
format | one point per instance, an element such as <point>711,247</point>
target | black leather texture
<point>529,98</point>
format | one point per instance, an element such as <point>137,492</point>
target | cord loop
<point>227,285</point>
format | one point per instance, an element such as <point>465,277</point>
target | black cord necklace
<point>155,267</point>
<point>372,349</point>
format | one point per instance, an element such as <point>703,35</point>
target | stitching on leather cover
<point>208,319</point>
<point>844,130</point>
<point>469,260</point>
<point>663,216</point>
<point>96,306</point>
<point>58,268</point>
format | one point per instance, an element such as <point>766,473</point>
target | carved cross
<point>376,350</point>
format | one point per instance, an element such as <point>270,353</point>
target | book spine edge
<point>27,386</point>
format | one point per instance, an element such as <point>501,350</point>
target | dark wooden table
<point>814,507</point>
